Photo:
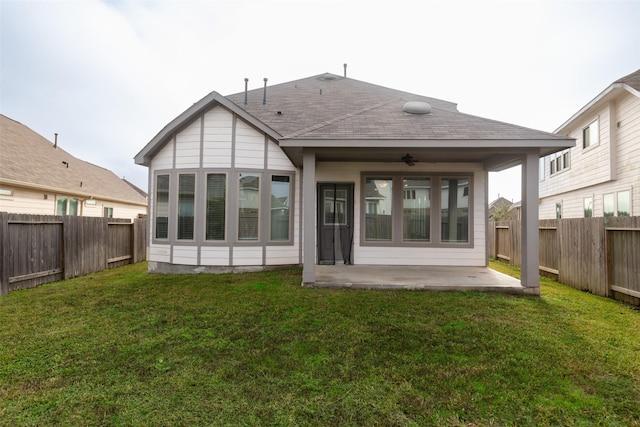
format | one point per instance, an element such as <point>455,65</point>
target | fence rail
<point>584,253</point>
<point>38,249</point>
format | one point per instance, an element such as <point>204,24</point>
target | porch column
<point>309,216</point>
<point>530,277</point>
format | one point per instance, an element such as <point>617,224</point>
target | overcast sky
<point>108,75</point>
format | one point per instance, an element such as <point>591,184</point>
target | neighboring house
<point>39,177</point>
<point>499,207</point>
<point>600,176</point>
<point>369,175</point>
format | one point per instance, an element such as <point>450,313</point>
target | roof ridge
<point>340,118</point>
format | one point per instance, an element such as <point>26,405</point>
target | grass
<point>123,347</point>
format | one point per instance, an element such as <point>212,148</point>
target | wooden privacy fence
<point>584,253</point>
<point>37,249</point>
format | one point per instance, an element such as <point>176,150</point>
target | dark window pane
<point>186,206</point>
<point>216,206</point>
<point>162,206</point>
<point>454,199</point>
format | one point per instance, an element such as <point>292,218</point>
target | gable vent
<point>416,107</point>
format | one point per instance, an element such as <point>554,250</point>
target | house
<point>499,207</point>
<point>357,174</point>
<point>600,176</point>
<point>39,177</point>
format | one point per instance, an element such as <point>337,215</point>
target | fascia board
<point>429,143</point>
<point>603,95</point>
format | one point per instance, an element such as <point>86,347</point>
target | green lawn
<point>123,347</point>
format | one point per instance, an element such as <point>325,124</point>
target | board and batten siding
<point>207,145</point>
<point>591,173</point>
<point>425,256</point>
<point>249,147</point>
<point>217,138</point>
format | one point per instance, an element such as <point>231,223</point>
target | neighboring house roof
<point>30,160</point>
<point>629,83</point>
<point>331,111</point>
<point>632,80</point>
<point>500,201</point>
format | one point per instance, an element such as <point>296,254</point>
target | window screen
<point>186,205</point>
<point>280,207</point>
<point>162,206</point>
<point>216,206</point>
<point>248,206</point>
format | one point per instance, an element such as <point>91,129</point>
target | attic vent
<point>327,77</point>
<point>416,107</point>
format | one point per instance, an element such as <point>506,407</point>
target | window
<point>624,203</point>
<point>61,207</point>
<point>215,216</point>
<point>73,207</point>
<point>416,210</point>
<point>415,215</point>
<point>559,210</point>
<point>186,206</point>
<point>591,134</point>
<point>454,210</point>
<point>335,207</point>
<point>66,206</point>
<point>162,207</point>
<point>280,203</point>
<point>108,212</point>
<point>588,207</point>
<point>379,200</point>
<point>248,206</point>
<point>559,162</point>
<point>608,205</point>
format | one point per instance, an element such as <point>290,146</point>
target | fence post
<point>4,247</point>
<point>132,241</point>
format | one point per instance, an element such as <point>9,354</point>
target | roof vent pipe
<point>264,97</point>
<point>246,82</point>
<point>55,140</point>
<point>345,70</point>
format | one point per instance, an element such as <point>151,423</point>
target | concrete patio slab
<point>390,277</point>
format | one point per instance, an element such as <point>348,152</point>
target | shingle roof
<point>328,106</point>
<point>29,158</point>
<point>632,80</point>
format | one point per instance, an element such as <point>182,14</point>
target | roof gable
<point>205,104</point>
<point>28,158</point>
<point>329,110</point>
<point>629,83</point>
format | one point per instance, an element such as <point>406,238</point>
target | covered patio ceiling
<point>493,159</point>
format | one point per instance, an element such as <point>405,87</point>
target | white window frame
<point>593,129</point>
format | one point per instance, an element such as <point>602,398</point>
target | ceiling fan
<point>408,159</point>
